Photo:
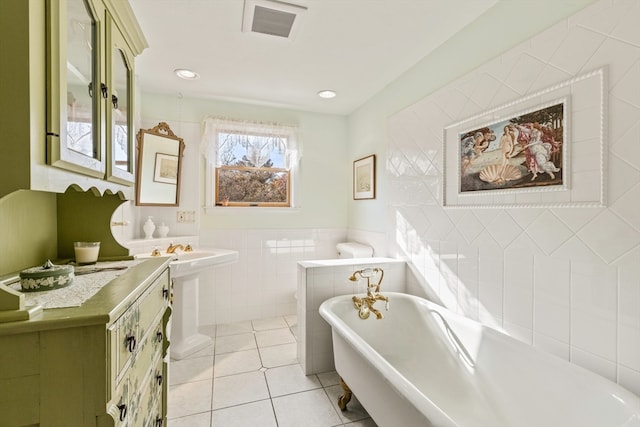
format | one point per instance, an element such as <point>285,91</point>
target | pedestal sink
<point>185,272</point>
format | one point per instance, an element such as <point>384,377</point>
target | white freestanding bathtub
<point>422,365</point>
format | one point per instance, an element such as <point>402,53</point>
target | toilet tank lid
<point>356,250</point>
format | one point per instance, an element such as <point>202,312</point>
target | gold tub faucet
<point>365,304</point>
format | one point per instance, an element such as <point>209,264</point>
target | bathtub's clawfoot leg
<point>346,397</point>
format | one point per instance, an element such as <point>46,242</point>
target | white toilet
<point>354,250</point>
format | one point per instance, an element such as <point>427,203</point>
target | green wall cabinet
<point>67,103</point>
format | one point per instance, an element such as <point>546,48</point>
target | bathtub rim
<point>393,377</point>
<point>431,410</point>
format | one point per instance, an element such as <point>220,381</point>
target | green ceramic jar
<point>46,277</point>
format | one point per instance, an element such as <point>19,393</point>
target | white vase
<point>148,228</point>
<point>163,230</point>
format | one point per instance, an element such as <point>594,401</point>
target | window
<point>249,163</point>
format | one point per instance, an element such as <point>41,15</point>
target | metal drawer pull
<point>159,379</point>
<point>131,343</point>
<point>159,336</point>
<point>165,293</point>
<point>158,422</point>
<point>123,411</point>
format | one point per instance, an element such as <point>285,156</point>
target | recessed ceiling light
<point>183,73</point>
<point>327,94</point>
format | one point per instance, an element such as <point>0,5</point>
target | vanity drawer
<point>141,388</point>
<point>121,410</point>
<point>149,350</point>
<point>141,323</point>
<point>127,338</point>
<point>156,419</point>
<point>150,400</point>
<point>153,301</point>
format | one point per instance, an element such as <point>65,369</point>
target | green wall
<point>325,169</point>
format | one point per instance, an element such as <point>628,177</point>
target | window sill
<point>248,210</point>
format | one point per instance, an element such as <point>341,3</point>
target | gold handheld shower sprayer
<point>365,304</point>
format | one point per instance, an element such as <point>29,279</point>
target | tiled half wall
<point>321,280</point>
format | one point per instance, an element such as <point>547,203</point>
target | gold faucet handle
<point>155,252</point>
<point>188,248</point>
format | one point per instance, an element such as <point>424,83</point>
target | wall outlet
<point>186,216</point>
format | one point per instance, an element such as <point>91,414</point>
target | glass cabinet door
<point>121,149</point>
<point>75,90</point>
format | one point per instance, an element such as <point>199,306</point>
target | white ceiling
<point>355,47</point>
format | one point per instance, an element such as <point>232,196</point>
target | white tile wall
<point>566,280</point>
<point>262,284</point>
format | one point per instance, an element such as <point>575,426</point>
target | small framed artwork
<point>364,178</point>
<point>166,169</point>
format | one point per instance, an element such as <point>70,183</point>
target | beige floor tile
<point>274,337</point>
<point>329,378</point>
<point>292,320</point>
<point>233,328</point>
<point>354,412</point>
<point>251,376</point>
<point>367,422</point>
<point>279,355</point>
<point>236,362</point>
<point>198,420</point>
<point>259,414</point>
<point>189,398</point>
<point>239,342</point>
<point>188,370</point>
<point>290,379</point>
<point>271,323</point>
<point>309,409</point>
<point>207,351</point>
<point>238,389</point>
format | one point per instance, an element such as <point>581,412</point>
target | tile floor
<point>250,376</point>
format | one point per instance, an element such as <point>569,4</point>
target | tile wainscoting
<point>262,283</point>
<point>566,279</point>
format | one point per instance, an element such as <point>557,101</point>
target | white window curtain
<point>212,126</point>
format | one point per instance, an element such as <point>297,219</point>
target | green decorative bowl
<point>47,277</point>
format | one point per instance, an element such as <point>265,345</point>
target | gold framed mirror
<point>160,154</point>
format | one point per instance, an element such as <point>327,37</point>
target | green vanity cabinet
<point>100,364</point>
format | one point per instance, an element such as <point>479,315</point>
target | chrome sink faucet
<point>365,305</point>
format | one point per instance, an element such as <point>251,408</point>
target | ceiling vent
<point>272,17</point>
